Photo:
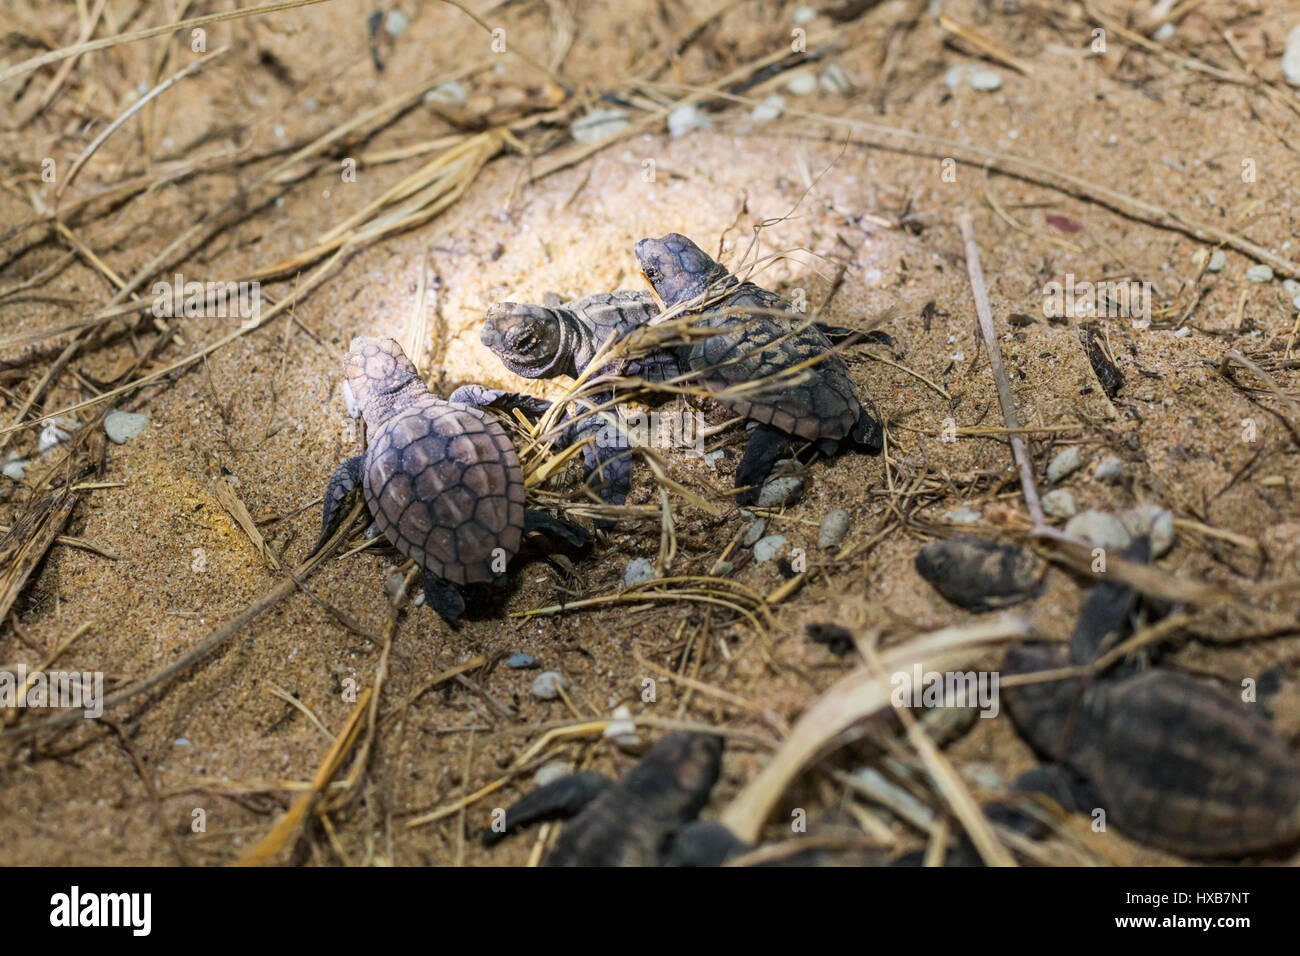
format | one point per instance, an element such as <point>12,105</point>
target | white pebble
<point>396,23</point>
<point>547,684</point>
<point>804,15</point>
<point>780,491</point>
<point>985,80</point>
<point>450,93</point>
<point>1059,503</point>
<point>1110,469</point>
<point>833,529</point>
<point>1064,463</point>
<point>770,109</point>
<point>765,549</point>
<point>599,125</point>
<point>1259,273</point>
<point>962,515</point>
<point>121,427</point>
<point>1153,521</point>
<point>1291,58</point>
<point>686,118</point>
<point>802,85</point>
<point>550,772</point>
<point>1217,261</point>
<point>1103,530</point>
<point>638,571</point>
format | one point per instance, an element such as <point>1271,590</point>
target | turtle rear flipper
<point>765,446</point>
<point>557,800</point>
<point>1067,789</point>
<point>574,534</point>
<point>480,396</point>
<point>443,597</point>
<point>346,477</point>
<point>703,843</point>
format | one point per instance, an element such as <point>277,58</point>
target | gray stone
<point>780,491</point>
<point>1059,503</point>
<point>770,109</point>
<point>833,529</point>
<point>1155,522</point>
<point>638,571</point>
<point>550,772</point>
<point>522,662</point>
<point>1218,261</point>
<point>754,532</point>
<point>1102,529</point>
<point>1291,58</point>
<point>1064,463</point>
<point>985,80</point>
<point>1259,273</point>
<point>1110,470</point>
<point>766,549</point>
<point>686,118</point>
<point>121,427</point>
<point>962,515</point>
<point>802,85</point>
<point>547,684</point>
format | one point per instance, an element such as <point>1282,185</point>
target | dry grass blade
<point>23,547</point>
<point>851,699</point>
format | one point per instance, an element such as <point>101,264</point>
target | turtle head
<point>677,268</point>
<point>376,377</point>
<point>530,340</point>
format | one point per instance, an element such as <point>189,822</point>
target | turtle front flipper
<point>443,597</point>
<point>574,534</point>
<point>346,477</point>
<point>557,800</point>
<point>703,843</point>
<point>867,434</point>
<point>608,458</point>
<point>480,396</point>
<point>765,446</point>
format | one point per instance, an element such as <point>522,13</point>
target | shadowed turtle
<point>442,480</point>
<point>765,360</point>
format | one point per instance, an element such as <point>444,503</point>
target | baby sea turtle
<point>760,338</point>
<point>642,819</point>
<point>441,479</point>
<point>562,338</point>
<point>1171,761</point>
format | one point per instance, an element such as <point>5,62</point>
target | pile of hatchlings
<point>1167,760</point>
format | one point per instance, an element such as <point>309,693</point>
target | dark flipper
<point>608,458</point>
<point>480,396</point>
<point>574,534</point>
<point>703,843</point>
<point>867,434</point>
<point>764,448</point>
<point>443,597</point>
<point>346,477</point>
<point>1105,611</point>
<point>557,800</point>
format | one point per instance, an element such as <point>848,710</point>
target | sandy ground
<point>266,410</point>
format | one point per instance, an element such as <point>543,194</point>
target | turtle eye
<point>652,274</point>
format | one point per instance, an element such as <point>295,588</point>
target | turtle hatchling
<point>441,479</point>
<point>645,818</point>
<point>554,339</point>
<point>806,392</point>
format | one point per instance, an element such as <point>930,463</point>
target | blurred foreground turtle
<point>1173,762</point>
<point>441,479</point>
<point>801,386</point>
<point>645,818</point>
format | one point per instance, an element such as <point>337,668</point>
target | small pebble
<point>721,569</point>
<point>770,109</point>
<point>15,467</point>
<point>1103,530</point>
<point>1155,522</point>
<point>639,571</point>
<point>1291,58</point>
<point>983,775</point>
<point>1291,286</point>
<point>121,427</point>
<point>780,491</point>
<point>765,549</point>
<point>1067,461</point>
<point>962,515</point>
<point>754,532</point>
<point>621,731</point>
<point>833,529</point>
<point>803,15</point>
<point>599,125</point>
<point>1110,470</point>
<point>396,23</point>
<point>1059,503</point>
<point>547,684</point>
<point>550,772</point>
<point>522,662</point>
<point>1259,273</point>
<point>1218,261</point>
<point>713,457</point>
<point>985,80</point>
<point>450,93</point>
<point>1163,32</point>
<point>802,85</point>
<point>686,118</point>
